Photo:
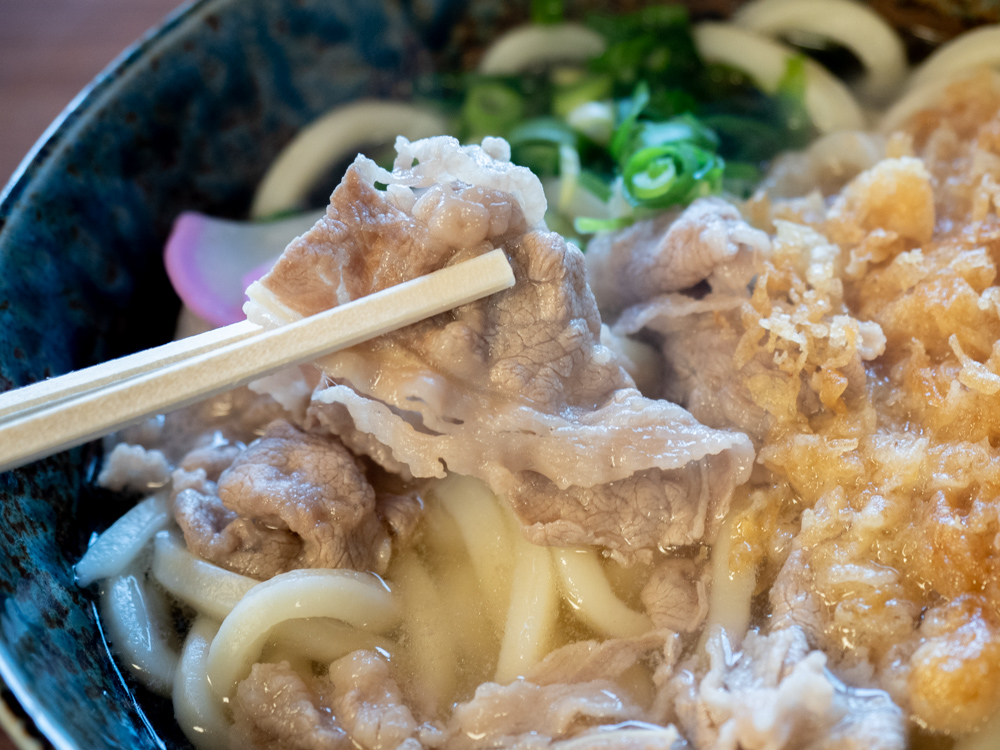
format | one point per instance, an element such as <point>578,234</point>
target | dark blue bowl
<point>187,119</point>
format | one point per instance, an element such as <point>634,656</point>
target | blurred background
<point>50,50</point>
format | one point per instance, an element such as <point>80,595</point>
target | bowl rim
<point>26,722</point>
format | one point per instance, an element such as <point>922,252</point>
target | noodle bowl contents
<point>477,532</point>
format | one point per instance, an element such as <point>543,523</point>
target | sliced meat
<point>794,600</point>
<point>703,372</point>
<point>648,510</point>
<point>290,500</point>
<point>400,502</point>
<point>236,417</point>
<point>356,705</point>
<point>774,693</point>
<point>669,253</point>
<point>133,468</point>
<point>368,704</point>
<point>571,699</point>
<point>871,721</point>
<point>401,513</point>
<point>370,240</point>
<point>762,361</point>
<point>529,715</point>
<point>216,533</point>
<point>585,661</point>
<point>625,737</point>
<point>212,459</point>
<point>275,709</point>
<point>362,436</point>
<point>516,390</point>
<point>675,596</point>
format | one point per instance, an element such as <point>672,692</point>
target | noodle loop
<point>358,599</point>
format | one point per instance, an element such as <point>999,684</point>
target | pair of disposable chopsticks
<point>66,411</point>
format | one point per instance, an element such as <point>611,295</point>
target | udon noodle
<point>514,547</point>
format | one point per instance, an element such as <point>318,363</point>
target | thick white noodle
<point>442,536</point>
<point>833,158</point>
<point>322,640</point>
<point>847,22</point>
<point>926,95</point>
<point>569,177</point>
<point>567,195</point>
<point>333,137</point>
<point>487,538</point>
<point>532,615</point>
<point>596,120</point>
<point>731,592</point>
<point>586,587</point>
<point>912,102</point>
<point>359,599</point>
<point>195,707</point>
<point>658,738</point>
<point>117,547</point>
<point>828,101</point>
<point>972,50</point>
<point>532,45</point>
<point>476,636</point>
<point>987,737</point>
<point>431,635</point>
<point>137,621</point>
<point>211,590</point>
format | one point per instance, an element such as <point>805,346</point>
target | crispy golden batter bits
<point>895,196</point>
<point>955,677</point>
<point>869,357</point>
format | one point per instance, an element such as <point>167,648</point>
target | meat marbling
<point>290,500</point>
<point>517,389</point>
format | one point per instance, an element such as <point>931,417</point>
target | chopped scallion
<point>546,11</point>
<point>670,174</point>
<point>535,144</point>
<point>568,96</point>
<point>740,178</point>
<point>594,184</point>
<point>646,125</point>
<point>587,225</point>
<point>631,109</point>
<point>491,108</point>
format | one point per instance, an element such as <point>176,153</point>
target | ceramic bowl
<point>189,118</point>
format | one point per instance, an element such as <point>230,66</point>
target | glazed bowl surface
<point>187,119</point>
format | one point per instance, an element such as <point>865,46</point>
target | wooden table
<point>49,50</point>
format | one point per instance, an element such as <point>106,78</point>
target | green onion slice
<point>588,225</point>
<point>672,173</point>
<point>491,108</point>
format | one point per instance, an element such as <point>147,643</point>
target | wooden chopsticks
<point>69,410</point>
<point>47,393</point>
